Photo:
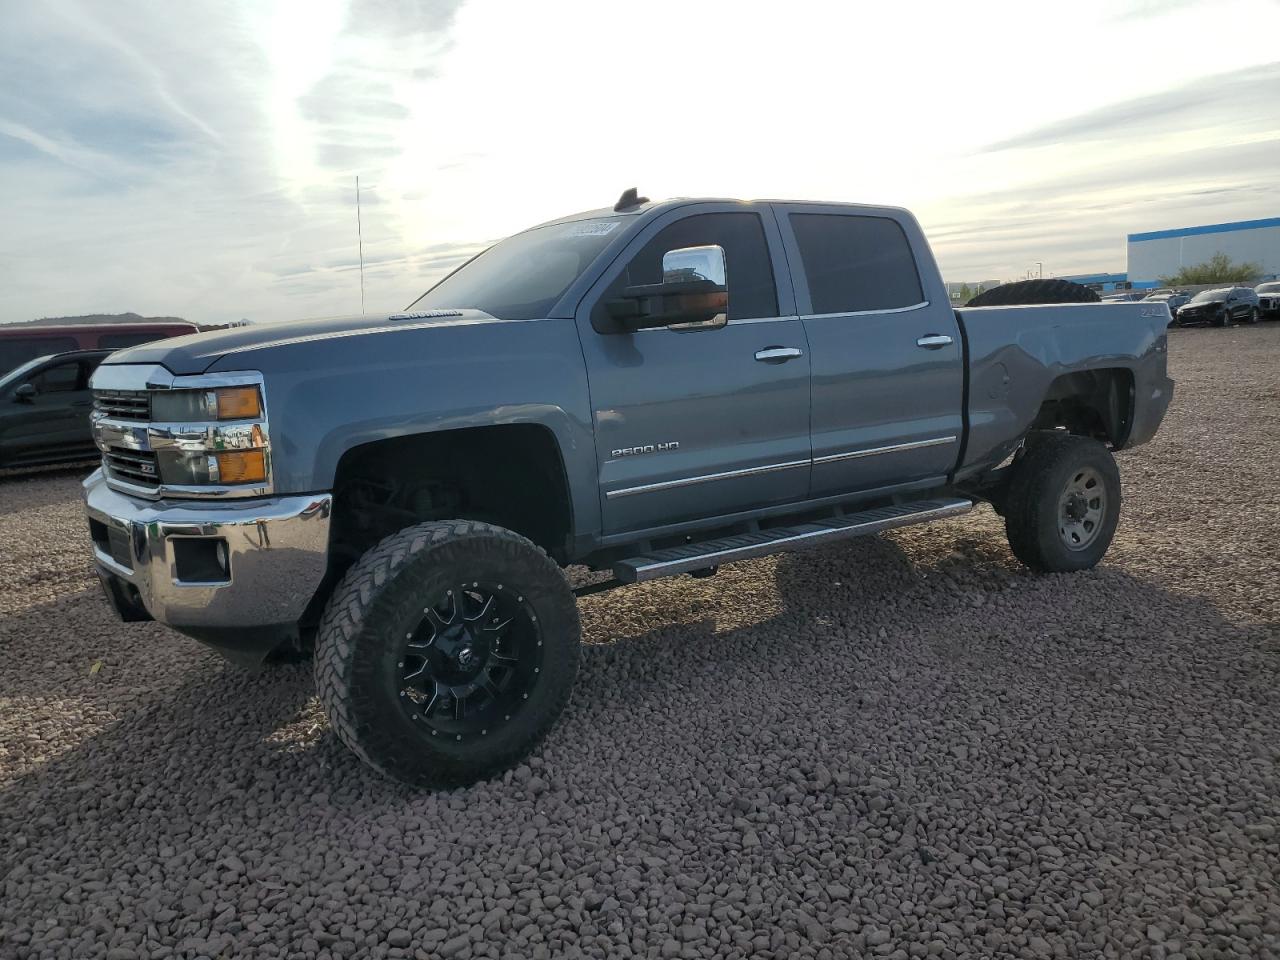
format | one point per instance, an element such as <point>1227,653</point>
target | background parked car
<point>20,342</point>
<point>1221,307</point>
<point>44,410</point>
<point>1171,298</point>
<point>1268,299</point>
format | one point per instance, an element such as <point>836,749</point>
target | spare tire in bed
<point>1034,291</point>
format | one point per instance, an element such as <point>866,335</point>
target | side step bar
<point>745,546</point>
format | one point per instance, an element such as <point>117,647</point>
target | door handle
<point>778,354</point>
<point>934,341</point>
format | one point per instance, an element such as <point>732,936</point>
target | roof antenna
<point>630,198</point>
<point>360,236</point>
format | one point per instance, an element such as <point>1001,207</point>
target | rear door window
<point>855,264</point>
<point>60,378</point>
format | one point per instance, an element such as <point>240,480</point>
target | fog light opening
<point>201,560</point>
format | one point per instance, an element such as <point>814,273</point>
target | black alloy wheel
<point>471,661</point>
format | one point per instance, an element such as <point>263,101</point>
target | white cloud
<point>197,159</point>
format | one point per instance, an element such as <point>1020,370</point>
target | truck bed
<point>1016,355</point>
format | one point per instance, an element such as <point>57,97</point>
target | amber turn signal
<point>238,403</point>
<point>242,466</point>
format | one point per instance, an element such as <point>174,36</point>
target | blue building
<point>1161,253</point>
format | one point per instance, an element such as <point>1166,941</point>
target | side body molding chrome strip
<point>893,448</point>
<point>771,467</point>
<point>705,478</point>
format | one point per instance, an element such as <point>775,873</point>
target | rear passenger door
<point>885,349</point>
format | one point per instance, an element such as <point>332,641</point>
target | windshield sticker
<point>592,228</point>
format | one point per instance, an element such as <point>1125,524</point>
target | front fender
<point>325,397</point>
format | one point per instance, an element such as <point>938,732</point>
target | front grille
<point>132,466</point>
<point>123,404</point>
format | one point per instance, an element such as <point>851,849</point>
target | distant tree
<point>1217,269</point>
<point>965,293</point>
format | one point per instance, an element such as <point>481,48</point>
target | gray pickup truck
<point>650,389</point>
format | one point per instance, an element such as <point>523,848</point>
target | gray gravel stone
<point>898,747</point>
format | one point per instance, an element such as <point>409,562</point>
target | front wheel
<point>1063,503</point>
<point>447,652</point>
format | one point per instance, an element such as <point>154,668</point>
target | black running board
<point>745,546</point>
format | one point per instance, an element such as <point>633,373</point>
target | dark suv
<point>1268,298</point>
<point>44,409</point>
<point>1173,299</point>
<point>1221,307</point>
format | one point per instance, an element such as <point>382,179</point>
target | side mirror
<point>26,393</point>
<point>694,290</point>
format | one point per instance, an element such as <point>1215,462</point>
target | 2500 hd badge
<point>646,448</point>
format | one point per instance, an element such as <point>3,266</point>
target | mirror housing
<point>26,393</point>
<point>693,290</point>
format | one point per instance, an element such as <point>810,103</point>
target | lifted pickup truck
<point>651,389</point>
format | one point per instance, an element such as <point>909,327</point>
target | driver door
<point>713,418</point>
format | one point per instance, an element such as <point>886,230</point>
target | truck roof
<point>654,207</point>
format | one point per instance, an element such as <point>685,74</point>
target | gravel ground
<point>900,747</point>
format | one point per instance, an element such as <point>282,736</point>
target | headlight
<point>192,436</point>
<point>225,467</point>
<point>223,403</point>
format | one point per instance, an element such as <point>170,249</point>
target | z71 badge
<point>647,448</point>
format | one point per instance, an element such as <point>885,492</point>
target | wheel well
<point>511,475</point>
<point>1092,403</point>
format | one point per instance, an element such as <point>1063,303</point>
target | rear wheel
<point>447,652</point>
<point>1063,503</point>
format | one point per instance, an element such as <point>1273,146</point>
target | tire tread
<point>339,634</point>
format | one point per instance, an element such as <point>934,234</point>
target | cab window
<point>748,269</point>
<point>855,264</point>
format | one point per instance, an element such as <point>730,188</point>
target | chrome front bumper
<point>275,557</point>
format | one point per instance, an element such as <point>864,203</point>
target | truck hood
<point>197,352</point>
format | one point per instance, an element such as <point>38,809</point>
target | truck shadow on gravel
<point>848,637</point>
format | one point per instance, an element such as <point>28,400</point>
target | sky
<point>198,159</point>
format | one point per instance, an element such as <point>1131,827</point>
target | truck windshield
<point>522,277</point>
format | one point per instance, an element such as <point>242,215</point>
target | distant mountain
<point>102,318</point>
<point>95,318</point>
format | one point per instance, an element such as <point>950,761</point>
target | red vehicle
<point>20,342</point>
